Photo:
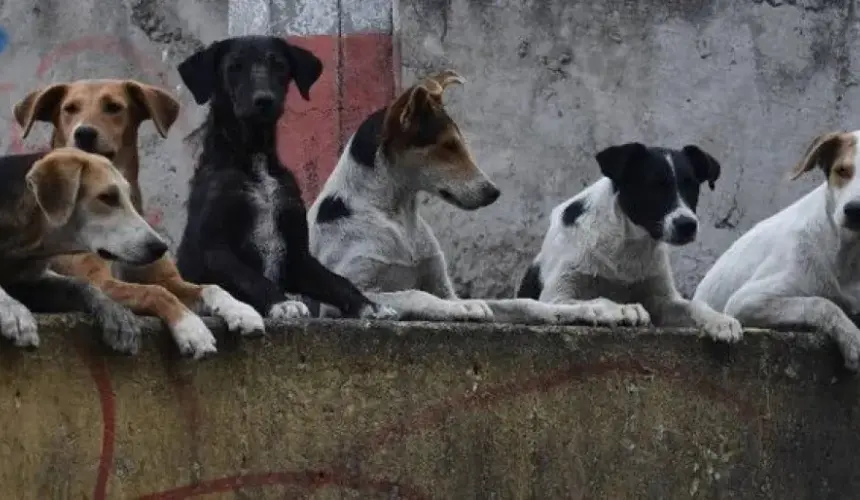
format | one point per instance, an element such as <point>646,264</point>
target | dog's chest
<point>265,197</point>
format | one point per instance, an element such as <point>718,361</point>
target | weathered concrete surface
<point>52,41</point>
<point>334,409</point>
<point>554,81</point>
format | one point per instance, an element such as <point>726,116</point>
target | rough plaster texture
<point>343,409</point>
<point>552,82</point>
<point>54,41</point>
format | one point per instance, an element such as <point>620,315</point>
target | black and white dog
<point>611,239</point>
<point>247,229</point>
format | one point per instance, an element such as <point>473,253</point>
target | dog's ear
<point>156,103</point>
<point>707,167</point>
<point>199,71</point>
<point>305,66</point>
<point>437,84</point>
<point>409,111</point>
<point>55,181</point>
<point>40,105</point>
<point>821,152</point>
<point>614,160</point>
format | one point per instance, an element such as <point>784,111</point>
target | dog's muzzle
<point>683,230</point>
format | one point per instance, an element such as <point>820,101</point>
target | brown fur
<point>834,152</point>
<point>116,108</point>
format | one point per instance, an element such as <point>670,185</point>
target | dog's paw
<point>471,310</point>
<point>724,328</point>
<point>17,323</point>
<point>634,315</point>
<point>193,337</point>
<point>119,326</point>
<point>602,312</point>
<point>377,311</point>
<point>849,346</point>
<point>289,309</point>
<point>239,316</point>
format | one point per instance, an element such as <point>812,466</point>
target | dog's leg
<point>422,306</point>
<point>435,281</point>
<point>598,312</point>
<point>314,280</point>
<point>55,293</point>
<point>190,333</point>
<point>207,299</point>
<point>757,304</point>
<point>17,323</point>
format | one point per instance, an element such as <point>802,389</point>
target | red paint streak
<point>101,377</point>
<point>310,480</point>
<point>367,78</point>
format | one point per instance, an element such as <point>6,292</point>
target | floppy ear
<point>55,181</point>
<point>306,68</point>
<point>408,110</point>
<point>40,105</point>
<point>200,70</point>
<point>707,168</point>
<point>437,84</point>
<point>158,105</point>
<point>821,152</point>
<point>614,160</point>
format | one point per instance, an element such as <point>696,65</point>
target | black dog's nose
<point>852,214</point>
<point>685,228</point>
<point>85,138</point>
<point>491,194</point>
<point>156,249</point>
<point>264,101</point>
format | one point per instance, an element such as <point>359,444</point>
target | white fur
<point>387,249</point>
<point>239,316</point>
<point>17,323</point>
<point>265,236</point>
<point>193,337</point>
<point>604,255</point>
<point>289,309</point>
<point>799,267</point>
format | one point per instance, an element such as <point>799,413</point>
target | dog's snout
<point>852,214</point>
<point>263,101</point>
<point>685,228</point>
<point>155,249</point>
<point>490,194</point>
<point>85,138</point>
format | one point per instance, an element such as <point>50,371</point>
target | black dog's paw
<point>119,326</point>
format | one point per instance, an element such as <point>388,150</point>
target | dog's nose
<point>156,249</point>
<point>852,213</point>
<point>685,228</point>
<point>85,138</point>
<point>264,101</point>
<point>490,194</point>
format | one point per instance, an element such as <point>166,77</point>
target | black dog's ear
<point>707,168</point>
<point>615,159</point>
<point>306,68</point>
<point>199,72</point>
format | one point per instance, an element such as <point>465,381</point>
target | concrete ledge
<point>348,409</point>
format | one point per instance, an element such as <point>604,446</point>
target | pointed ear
<point>437,84</point>
<point>55,181</point>
<point>199,71</point>
<point>156,103</point>
<point>305,66</point>
<point>614,160</point>
<point>707,168</point>
<point>408,110</point>
<point>821,152</point>
<point>40,105</point>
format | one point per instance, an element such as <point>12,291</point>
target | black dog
<point>247,229</point>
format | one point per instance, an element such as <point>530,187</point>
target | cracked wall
<point>552,82</point>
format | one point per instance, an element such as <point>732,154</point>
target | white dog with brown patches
<point>366,227</point>
<point>801,267</point>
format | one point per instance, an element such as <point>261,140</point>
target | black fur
<point>572,212</point>
<point>218,243</point>
<point>531,286</point>
<point>649,186</point>
<point>366,141</point>
<point>332,208</point>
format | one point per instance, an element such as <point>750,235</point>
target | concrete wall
<point>550,83</point>
<point>326,410</point>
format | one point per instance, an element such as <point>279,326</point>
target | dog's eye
<point>274,62</point>
<point>234,66</point>
<point>71,108</point>
<point>111,108</point>
<point>843,172</point>
<point>110,199</point>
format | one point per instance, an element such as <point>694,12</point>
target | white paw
<point>604,312</point>
<point>471,310</point>
<point>377,311</point>
<point>239,316</point>
<point>289,309</point>
<point>634,315</point>
<point>724,328</point>
<point>17,323</point>
<point>193,337</point>
<point>849,345</point>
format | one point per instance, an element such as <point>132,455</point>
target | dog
<point>247,227</point>
<point>611,240</point>
<point>801,266</point>
<point>65,202</point>
<point>102,117</point>
<point>365,223</point>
